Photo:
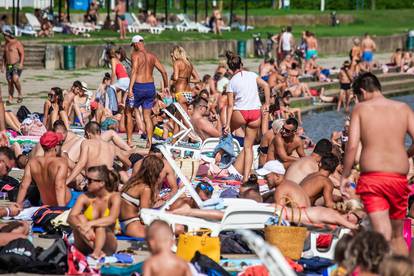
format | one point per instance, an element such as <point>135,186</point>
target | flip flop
<point>9,102</point>
<point>19,100</point>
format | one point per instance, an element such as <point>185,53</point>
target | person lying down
<point>310,215</point>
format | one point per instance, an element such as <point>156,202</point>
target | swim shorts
<point>381,191</point>
<point>122,17</point>
<point>311,53</point>
<point>11,70</point>
<point>345,86</point>
<point>265,78</point>
<point>251,115</point>
<point>144,95</point>
<point>367,56</point>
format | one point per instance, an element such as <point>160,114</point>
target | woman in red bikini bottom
<point>244,107</point>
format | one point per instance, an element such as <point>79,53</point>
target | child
<point>160,239</point>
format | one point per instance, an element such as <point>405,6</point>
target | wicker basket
<point>289,240</point>
<point>188,166</point>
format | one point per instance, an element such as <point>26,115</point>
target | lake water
<point>321,125</point>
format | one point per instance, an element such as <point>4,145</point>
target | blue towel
<point>226,144</point>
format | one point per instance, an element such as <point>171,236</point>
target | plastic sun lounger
<point>138,26</point>
<point>188,25</point>
<point>240,216</point>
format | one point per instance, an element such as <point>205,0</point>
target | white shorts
<point>122,84</point>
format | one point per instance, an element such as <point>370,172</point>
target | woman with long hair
<point>94,216</point>
<point>184,74</point>
<point>141,191</point>
<point>53,108</point>
<point>244,107</point>
<point>119,77</point>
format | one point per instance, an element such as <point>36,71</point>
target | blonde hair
<point>351,205</point>
<point>178,52</point>
<point>277,125</point>
<point>356,41</point>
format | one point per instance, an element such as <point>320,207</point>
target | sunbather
<point>94,216</point>
<point>14,229</point>
<point>142,191</point>
<point>162,262</point>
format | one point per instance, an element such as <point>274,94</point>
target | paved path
<point>36,83</point>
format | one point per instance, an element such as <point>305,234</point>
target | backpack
<point>43,217</point>
<point>205,265</point>
<point>32,126</point>
<point>15,254</point>
<point>22,113</point>
<point>56,254</point>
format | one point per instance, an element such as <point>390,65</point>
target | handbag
<point>189,243</point>
<point>290,240</point>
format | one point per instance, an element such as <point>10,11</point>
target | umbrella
<point>195,10</point>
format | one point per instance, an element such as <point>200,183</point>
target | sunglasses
<point>91,180</point>
<point>206,187</point>
<point>288,131</point>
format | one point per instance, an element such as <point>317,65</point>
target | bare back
<point>99,153</point>
<point>294,192</point>
<point>44,172</point>
<point>383,125</point>
<point>166,264</point>
<point>301,169</point>
<point>182,75</point>
<point>145,69</point>
<point>368,45</point>
<point>314,186</point>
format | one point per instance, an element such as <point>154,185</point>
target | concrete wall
<point>89,55</point>
<point>342,45</point>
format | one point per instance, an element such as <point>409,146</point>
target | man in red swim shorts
<point>380,125</point>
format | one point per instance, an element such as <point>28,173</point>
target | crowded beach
<point>203,166</point>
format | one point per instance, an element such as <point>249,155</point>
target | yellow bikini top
<point>89,213</point>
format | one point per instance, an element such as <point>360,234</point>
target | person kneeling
<point>95,214</point>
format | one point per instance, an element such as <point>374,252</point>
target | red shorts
<point>381,191</point>
<point>251,115</point>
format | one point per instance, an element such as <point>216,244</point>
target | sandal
<point>19,100</point>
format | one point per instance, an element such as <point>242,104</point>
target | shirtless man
<point>94,151</point>
<point>308,164</point>
<point>381,125</point>
<point>13,59</point>
<point>345,81</point>
<point>274,172</point>
<point>285,143</point>
<point>203,127</point>
<point>48,172</point>
<point>318,184</point>
<point>311,45</point>
<point>120,11</point>
<point>368,47</point>
<point>141,88</point>
<point>267,139</point>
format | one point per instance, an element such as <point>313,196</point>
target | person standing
<point>13,59</point>
<point>120,11</point>
<point>286,43</point>
<point>141,90</point>
<point>311,45</point>
<point>368,48</point>
<point>244,107</point>
<point>380,125</point>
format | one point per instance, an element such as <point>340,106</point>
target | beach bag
<point>32,126</point>
<point>15,254</point>
<point>188,166</point>
<point>57,255</point>
<point>206,265</point>
<point>43,217</point>
<point>290,240</point>
<point>22,113</point>
<point>189,243</point>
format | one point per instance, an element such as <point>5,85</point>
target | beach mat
<point>38,229</point>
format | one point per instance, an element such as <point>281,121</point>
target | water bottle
<point>131,101</point>
<point>30,235</point>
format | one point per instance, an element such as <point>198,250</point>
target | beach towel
<point>122,270</point>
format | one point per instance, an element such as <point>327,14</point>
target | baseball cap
<point>84,86</point>
<point>273,166</point>
<point>50,139</point>
<point>136,39</point>
<point>8,32</point>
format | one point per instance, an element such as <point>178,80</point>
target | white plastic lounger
<point>329,253</point>
<point>250,216</point>
<point>187,25</point>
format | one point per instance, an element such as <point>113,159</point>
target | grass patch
<point>380,22</point>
